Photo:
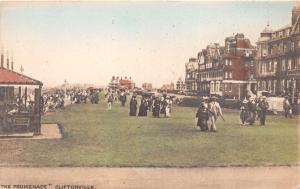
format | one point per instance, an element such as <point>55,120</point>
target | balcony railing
<point>264,74</point>
<point>294,72</point>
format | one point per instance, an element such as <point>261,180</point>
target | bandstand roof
<point>9,77</point>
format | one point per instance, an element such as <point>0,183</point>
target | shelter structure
<point>20,103</point>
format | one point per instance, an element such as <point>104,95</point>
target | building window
<point>226,62</point>
<point>212,87</point>
<point>260,67</point>
<point>269,85</point>
<point>269,66</point>
<point>290,64</point>
<point>285,48</point>
<point>283,65</point>
<point>226,75</point>
<point>230,75</point>
<point>264,87</point>
<point>282,85</point>
<point>217,86</point>
<point>228,87</point>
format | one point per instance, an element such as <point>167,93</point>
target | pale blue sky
<point>90,42</point>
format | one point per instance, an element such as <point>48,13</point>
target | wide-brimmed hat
<point>205,98</point>
<point>245,101</point>
<point>251,98</point>
<point>213,98</point>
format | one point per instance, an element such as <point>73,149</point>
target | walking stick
<point>222,117</point>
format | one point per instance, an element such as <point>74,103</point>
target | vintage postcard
<point>157,94</point>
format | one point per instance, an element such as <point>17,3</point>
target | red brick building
<point>227,71</point>
<point>119,82</point>
<point>238,67</point>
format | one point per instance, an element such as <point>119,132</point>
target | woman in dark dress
<point>143,108</point>
<point>203,116</point>
<point>156,107</point>
<point>133,106</point>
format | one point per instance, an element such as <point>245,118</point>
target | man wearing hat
<point>263,106</point>
<point>252,110</point>
<point>214,110</point>
<point>109,101</point>
<point>205,102</point>
<point>287,107</point>
<point>244,111</point>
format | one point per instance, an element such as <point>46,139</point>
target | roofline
<point>23,84</point>
<point>15,83</point>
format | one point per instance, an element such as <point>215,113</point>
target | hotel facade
<point>239,68</point>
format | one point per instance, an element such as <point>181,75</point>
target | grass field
<point>94,136</point>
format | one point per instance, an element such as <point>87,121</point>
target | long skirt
<point>132,112</point>
<point>168,113</point>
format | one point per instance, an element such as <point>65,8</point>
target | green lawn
<point>94,136</point>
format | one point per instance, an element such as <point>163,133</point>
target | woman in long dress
<point>142,108</point>
<point>168,107</point>
<point>133,106</point>
<point>203,117</point>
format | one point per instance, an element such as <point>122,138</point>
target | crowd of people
<point>208,113</point>
<point>115,96</point>
<point>56,99</point>
<point>253,109</point>
<point>52,100</point>
<point>159,105</point>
